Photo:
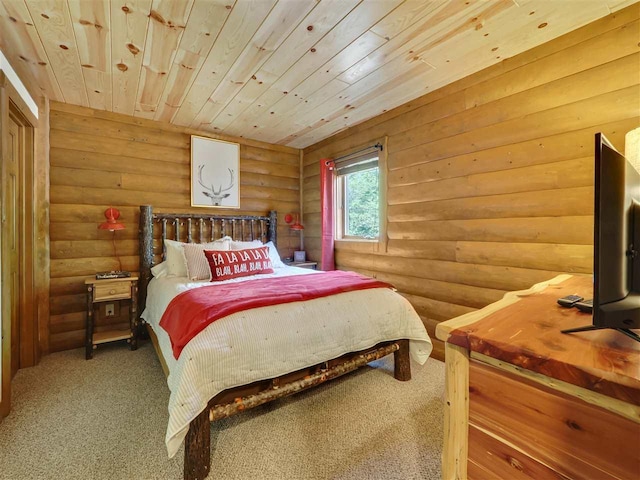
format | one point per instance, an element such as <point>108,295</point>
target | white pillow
<point>197,264</point>
<point>176,262</point>
<point>159,270</point>
<point>274,256</point>
<point>242,245</point>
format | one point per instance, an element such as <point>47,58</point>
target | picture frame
<point>215,173</point>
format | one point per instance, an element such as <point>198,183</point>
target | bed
<point>251,357</point>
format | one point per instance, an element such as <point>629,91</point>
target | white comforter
<point>271,341</point>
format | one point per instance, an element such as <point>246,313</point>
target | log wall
<point>490,179</point>
<point>101,159</point>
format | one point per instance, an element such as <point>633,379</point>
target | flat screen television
<point>616,241</point>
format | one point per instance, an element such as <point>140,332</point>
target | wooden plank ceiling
<point>290,72</point>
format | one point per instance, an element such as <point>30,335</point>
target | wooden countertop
<point>523,329</point>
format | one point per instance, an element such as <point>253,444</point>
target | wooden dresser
<point>524,401</point>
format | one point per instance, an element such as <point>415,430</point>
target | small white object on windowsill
<point>299,256</point>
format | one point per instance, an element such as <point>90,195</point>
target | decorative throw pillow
<point>175,259</point>
<point>238,263</point>
<point>197,264</point>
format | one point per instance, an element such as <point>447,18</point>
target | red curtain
<point>327,261</point>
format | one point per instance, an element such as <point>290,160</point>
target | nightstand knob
<point>112,292</point>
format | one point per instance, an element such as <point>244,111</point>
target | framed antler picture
<point>215,173</point>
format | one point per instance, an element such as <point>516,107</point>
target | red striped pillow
<point>238,263</point>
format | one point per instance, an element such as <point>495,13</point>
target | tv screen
<point>616,262</point>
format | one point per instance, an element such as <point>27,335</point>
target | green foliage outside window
<point>362,204</point>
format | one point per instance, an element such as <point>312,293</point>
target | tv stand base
<point>626,331</point>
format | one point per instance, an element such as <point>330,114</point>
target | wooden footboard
<point>197,454</point>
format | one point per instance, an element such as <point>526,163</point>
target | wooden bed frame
<point>197,455</point>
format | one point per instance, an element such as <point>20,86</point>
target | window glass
<point>361,204</point>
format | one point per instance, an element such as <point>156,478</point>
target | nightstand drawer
<point>111,291</point>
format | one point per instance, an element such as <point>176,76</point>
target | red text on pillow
<point>225,265</point>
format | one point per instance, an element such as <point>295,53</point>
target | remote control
<point>585,306</point>
<point>112,274</point>
<point>569,301</point>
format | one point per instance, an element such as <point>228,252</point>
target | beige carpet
<point>106,419</point>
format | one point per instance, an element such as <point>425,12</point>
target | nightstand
<point>310,265</point>
<point>111,291</point>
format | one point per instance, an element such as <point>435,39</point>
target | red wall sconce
<point>111,224</point>
<point>293,222</point>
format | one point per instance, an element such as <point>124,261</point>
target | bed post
<point>273,227</point>
<point>145,239</point>
<point>402,366</point>
<point>197,444</point>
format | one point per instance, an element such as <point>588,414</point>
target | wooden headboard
<point>196,228</point>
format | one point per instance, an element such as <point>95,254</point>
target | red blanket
<point>192,311</point>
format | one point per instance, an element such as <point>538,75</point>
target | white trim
<point>5,66</point>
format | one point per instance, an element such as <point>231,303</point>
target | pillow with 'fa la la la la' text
<point>238,263</point>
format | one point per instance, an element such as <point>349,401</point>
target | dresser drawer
<point>111,291</point>
<point>489,459</point>
<point>571,437</point>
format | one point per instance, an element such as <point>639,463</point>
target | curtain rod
<point>377,146</point>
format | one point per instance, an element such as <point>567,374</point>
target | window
<point>358,198</point>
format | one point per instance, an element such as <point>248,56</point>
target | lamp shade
<point>111,224</point>
<point>288,218</point>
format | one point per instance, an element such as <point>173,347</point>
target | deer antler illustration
<point>216,196</point>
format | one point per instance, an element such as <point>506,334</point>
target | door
<point>12,226</point>
<point>13,220</point>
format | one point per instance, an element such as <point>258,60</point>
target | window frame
<point>341,213</point>
<point>378,158</point>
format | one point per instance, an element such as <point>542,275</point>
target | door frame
<point>28,328</point>
<point>12,105</point>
